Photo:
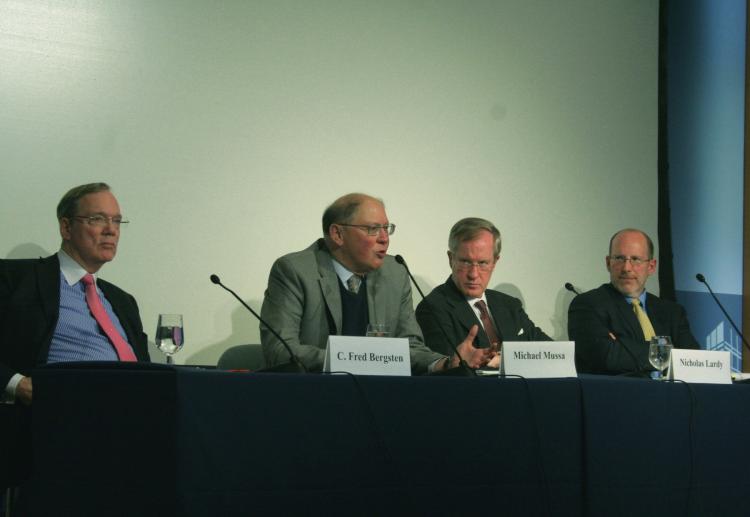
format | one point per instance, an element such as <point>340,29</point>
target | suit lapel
<point>329,287</point>
<point>48,280</point>
<point>465,314</point>
<point>119,308</point>
<point>626,313</point>
<point>656,315</point>
<point>502,321</point>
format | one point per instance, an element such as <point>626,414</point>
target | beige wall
<point>226,127</point>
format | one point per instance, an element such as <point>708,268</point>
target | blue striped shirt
<point>78,336</point>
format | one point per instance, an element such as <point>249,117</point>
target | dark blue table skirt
<point>665,448</point>
<point>167,441</point>
<point>375,445</point>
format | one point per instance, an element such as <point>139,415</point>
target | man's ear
<point>65,228</point>
<point>335,234</point>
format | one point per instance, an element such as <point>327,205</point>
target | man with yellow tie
<point>612,324</point>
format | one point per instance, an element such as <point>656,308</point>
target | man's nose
<point>110,227</point>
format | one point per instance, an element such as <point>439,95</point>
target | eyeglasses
<point>102,220</point>
<point>619,260</point>
<point>467,265</point>
<point>373,229</point>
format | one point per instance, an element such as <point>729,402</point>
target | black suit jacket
<point>29,309</point>
<point>445,319</point>
<point>595,314</point>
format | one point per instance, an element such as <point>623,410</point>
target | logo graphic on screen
<point>715,340</point>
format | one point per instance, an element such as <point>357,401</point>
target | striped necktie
<point>489,327</point>
<point>353,283</point>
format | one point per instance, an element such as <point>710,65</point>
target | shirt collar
<point>642,299</point>
<point>472,301</point>
<point>341,271</point>
<point>71,270</point>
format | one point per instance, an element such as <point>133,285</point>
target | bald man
<point>603,322</point>
<point>339,285</point>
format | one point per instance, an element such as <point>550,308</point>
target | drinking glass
<point>659,353</point>
<point>169,334</point>
<point>378,330</point>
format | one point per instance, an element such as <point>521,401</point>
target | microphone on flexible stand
<point>702,279</point>
<point>294,365</point>
<point>401,261</point>
<point>572,289</point>
<point>463,369</point>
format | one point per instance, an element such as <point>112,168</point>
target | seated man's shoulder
<point>111,289</point>
<point>598,295</point>
<point>437,296</point>
<point>501,298</point>
<point>307,257</point>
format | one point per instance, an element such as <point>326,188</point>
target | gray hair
<point>468,229</point>
<point>68,205</point>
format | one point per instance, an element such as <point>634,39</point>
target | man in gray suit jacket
<point>340,284</point>
<point>453,309</point>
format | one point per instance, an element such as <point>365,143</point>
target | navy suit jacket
<point>445,319</point>
<point>29,309</point>
<point>596,314</point>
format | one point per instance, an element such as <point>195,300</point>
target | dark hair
<point>68,205</point>
<point>648,240</point>
<point>468,229</point>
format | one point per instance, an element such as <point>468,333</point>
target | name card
<point>368,355</point>
<point>538,359</point>
<point>706,366</point>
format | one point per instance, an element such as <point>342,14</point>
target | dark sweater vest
<point>354,310</point>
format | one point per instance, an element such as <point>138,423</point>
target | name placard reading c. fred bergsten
<point>368,355</point>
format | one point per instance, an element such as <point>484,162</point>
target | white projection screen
<point>226,127</point>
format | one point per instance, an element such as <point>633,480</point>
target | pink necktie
<point>124,352</point>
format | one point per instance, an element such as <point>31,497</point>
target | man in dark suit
<point>44,309</point>
<point>463,304</point>
<point>613,324</point>
<point>338,285</point>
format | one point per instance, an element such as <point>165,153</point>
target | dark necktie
<point>489,327</point>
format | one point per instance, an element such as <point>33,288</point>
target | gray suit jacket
<point>303,304</point>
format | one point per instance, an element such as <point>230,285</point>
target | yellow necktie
<point>648,329</point>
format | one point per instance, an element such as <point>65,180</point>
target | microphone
<point>294,365</point>
<point>702,279</point>
<point>401,261</point>
<point>570,288</point>
<point>462,368</point>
